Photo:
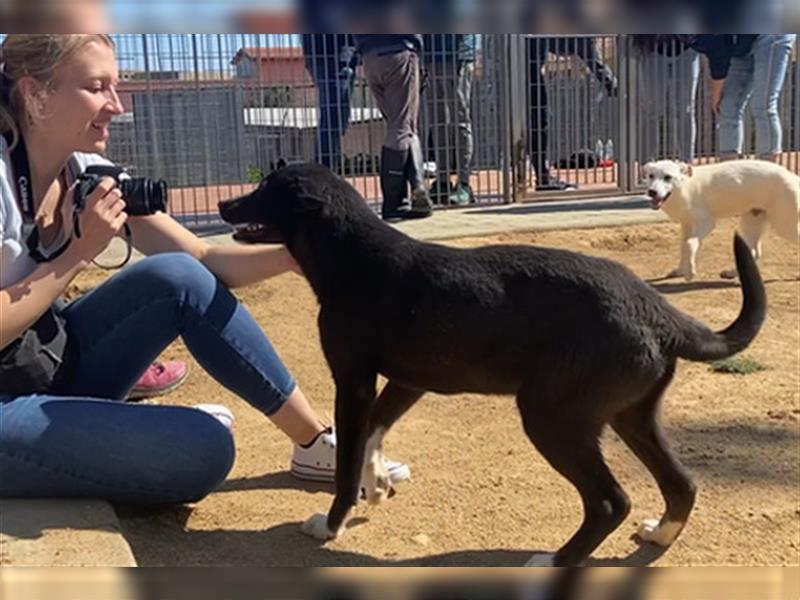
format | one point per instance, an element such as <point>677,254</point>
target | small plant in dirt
<point>254,174</point>
<point>738,365</point>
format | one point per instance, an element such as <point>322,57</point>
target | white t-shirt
<point>15,263</point>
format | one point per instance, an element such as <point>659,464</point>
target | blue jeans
<point>758,78</point>
<point>334,82</point>
<point>85,441</point>
<point>669,92</point>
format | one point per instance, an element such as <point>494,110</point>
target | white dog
<point>757,191</point>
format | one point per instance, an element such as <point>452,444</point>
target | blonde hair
<point>39,56</point>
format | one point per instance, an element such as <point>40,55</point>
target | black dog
<point>582,342</point>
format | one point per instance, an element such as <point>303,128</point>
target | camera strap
<point>22,177</point>
<point>24,197</point>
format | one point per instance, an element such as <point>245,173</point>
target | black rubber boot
<point>547,183</point>
<point>420,200</point>
<point>393,187</point>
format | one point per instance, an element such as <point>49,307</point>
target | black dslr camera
<point>142,195</point>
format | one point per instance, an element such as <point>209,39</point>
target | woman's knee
<point>173,274</point>
<point>201,468</point>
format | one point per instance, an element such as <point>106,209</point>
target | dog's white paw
<point>541,559</point>
<point>317,527</point>
<point>380,491</point>
<point>675,273</point>
<point>375,480</point>
<point>374,475</point>
<point>729,274</point>
<point>653,532</point>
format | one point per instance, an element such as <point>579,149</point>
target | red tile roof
<point>279,52</point>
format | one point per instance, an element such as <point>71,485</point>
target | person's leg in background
<point>394,81</point>
<point>652,104</point>
<point>537,126</point>
<point>539,118</point>
<point>415,167</point>
<point>463,193</point>
<point>686,75</point>
<point>771,55</point>
<point>437,111</point>
<point>324,76</point>
<point>335,91</point>
<point>736,92</point>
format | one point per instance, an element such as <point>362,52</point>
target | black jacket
<point>720,49</point>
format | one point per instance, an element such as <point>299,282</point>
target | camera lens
<point>144,196</point>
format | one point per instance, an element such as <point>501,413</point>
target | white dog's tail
<point>702,344</point>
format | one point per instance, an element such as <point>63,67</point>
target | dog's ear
<point>686,169</point>
<point>308,203</point>
<point>280,164</point>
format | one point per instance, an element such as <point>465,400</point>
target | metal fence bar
<point>213,113</point>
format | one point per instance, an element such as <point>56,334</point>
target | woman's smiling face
<point>77,109</point>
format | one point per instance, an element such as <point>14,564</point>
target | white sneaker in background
<point>219,412</point>
<point>317,461</point>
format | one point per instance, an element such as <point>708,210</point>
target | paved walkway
<point>539,216</point>
<point>86,532</point>
<point>489,220</point>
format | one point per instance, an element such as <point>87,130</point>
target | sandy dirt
<point>480,494</point>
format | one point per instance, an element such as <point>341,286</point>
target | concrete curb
<point>61,533</point>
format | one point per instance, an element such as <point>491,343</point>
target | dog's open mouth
<point>254,233</point>
<point>656,202</point>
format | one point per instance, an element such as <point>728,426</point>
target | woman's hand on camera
<point>101,219</point>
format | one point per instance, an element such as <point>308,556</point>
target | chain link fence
<point>519,117</point>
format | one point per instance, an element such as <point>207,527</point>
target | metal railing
<point>213,113</point>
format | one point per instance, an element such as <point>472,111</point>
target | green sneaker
<point>461,195</point>
<point>440,191</point>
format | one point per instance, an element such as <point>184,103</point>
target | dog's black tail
<point>702,344</point>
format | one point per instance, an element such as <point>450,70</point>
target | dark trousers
<point>335,89</point>
<point>538,123</point>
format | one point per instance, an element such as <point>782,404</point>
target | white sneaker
<point>219,412</point>
<point>317,462</point>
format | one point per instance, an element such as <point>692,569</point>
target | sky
<point>182,15</point>
<point>176,52</point>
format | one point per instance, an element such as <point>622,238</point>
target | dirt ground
<point>480,494</point>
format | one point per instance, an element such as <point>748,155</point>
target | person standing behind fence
<point>449,60</point>
<point>746,68</point>
<point>537,49</point>
<point>392,70</point>
<point>330,60</point>
<point>670,71</point>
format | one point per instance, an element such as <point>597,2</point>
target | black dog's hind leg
<point>392,403</point>
<point>568,439</point>
<point>355,396</point>
<point>640,429</point>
